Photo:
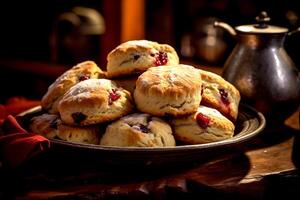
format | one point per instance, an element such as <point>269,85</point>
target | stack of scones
<point>144,99</point>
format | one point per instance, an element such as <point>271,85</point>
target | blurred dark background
<point>41,39</point>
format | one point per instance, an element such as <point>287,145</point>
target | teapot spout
<point>226,27</point>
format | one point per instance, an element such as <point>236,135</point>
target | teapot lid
<point>261,26</point>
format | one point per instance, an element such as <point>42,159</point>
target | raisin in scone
<point>138,130</point>
<point>204,126</point>
<point>80,72</point>
<point>137,56</point>
<point>219,94</point>
<point>94,101</point>
<point>51,126</point>
<point>168,90</point>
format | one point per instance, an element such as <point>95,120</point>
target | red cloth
<point>16,144</point>
<point>2,113</point>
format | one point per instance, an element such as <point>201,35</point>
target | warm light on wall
<point>133,23</point>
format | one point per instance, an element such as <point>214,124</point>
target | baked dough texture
<point>45,125</point>
<point>82,71</point>
<point>79,134</point>
<point>204,126</point>
<point>168,90</point>
<point>137,56</point>
<point>200,105</point>
<point>220,94</point>
<point>94,101</point>
<point>51,126</point>
<point>138,130</point>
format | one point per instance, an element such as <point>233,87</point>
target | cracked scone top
<point>82,71</point>
<point>136,56</point>
<point>138,130</point>
<point>204,126</point>
<point>168,90</point>
<point>94,101</point>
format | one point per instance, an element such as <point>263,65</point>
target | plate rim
<point>234,140</point>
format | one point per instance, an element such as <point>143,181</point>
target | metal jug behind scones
<point>262,70</point>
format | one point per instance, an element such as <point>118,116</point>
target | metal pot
<point>262,70</point>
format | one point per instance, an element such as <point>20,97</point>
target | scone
<point>86,134</point>
<point>51,126</point>
<point>168,90</point>
<point>220,94</point>
<point>204,126</point>
<point>137,56</point>
<point>138,130</point>
<point>80,72</point>
<point>45,125</point>
<point>94,101</point>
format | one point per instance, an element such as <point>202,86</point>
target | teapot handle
<point>294,31</point>
<point>226,27</point>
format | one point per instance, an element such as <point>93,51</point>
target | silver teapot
<point>261,69</point>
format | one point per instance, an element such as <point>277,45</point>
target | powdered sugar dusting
<point>141,43</point>
<point>210,111</point>
<point>86,87</point>
<point>172,77</point>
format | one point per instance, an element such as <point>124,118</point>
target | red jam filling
<point>113,96</point>
<point>224,96</point>
<point>161,58</point>
<point>83,77</point>
<point>202,120</point>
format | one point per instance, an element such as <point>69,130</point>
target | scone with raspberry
<point>94,101</point>
<point>204,126</point>
<point>220,94</point>
<point>136,56</point>
<point>80,72</point>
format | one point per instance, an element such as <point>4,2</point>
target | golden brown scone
<point>51,126</point>
<point>220,94</point>
<point>80,72</point>
<point>86,134</point>
<point>137,56</point>
<point>168,90</point>
<point>45,125</point>
<point>138,130</point>
<point>204,126</point>
<point>94,101</point>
